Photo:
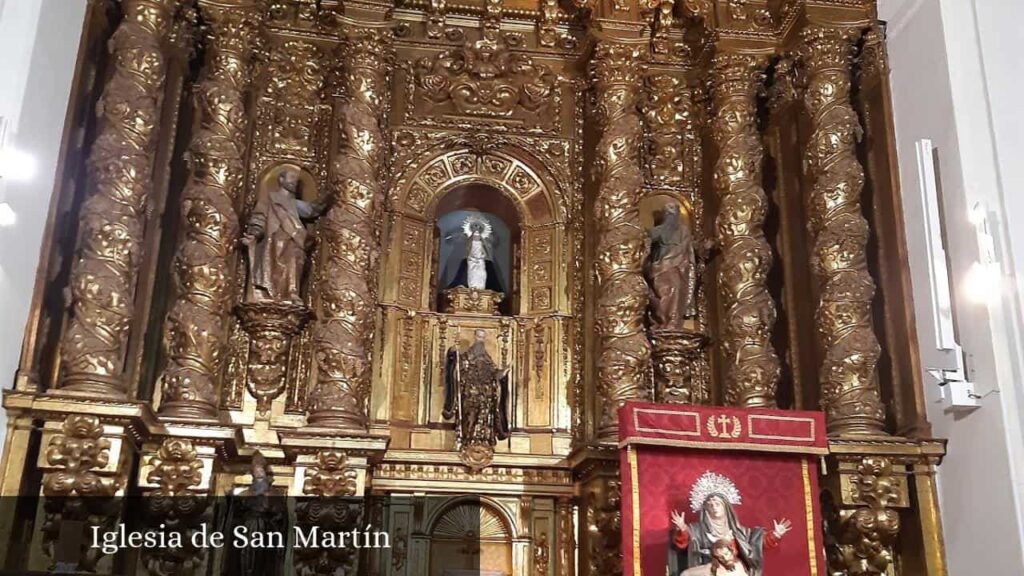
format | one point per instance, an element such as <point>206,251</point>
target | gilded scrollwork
<point>106,267</point>
<point>661,44</point>
<point>669,115</point>
<point>873,60</point>
<point>175,506</point>
<point>604,527</point>
<point>864,536</point>
<point>624,351</point>
<point>331,477</point>
<point>78,489</point>
<point>330,506</point>
<point>541,555</point>
<point>350,235</point>
<point>197,324</point>
<point>436,11</point>
<point>486,79</point>
<point>271,326</point>
<point>566,538</point>
<point>293,95</point>
<point>839,233</point>
<point>752,367</point>
<point>547,26</point>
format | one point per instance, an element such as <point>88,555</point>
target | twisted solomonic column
<point>839,232</point>
<point>350,236</point>
<point>197,323</point>
<point>751,364</point>
<point>106,266</point>
<point>623,349</point>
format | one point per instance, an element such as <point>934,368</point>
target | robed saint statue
<point>671,270</point>
<point>278,241</point>
<point>476,397</point>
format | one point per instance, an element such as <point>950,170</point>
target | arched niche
<point>442,179</point>
<point>476,201</point>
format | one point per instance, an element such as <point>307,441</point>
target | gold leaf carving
<point>485,79</point>
<point>624,352</point>
<point>102,285</point>
<point>196,329</point>
<point>751,365</point>
<point>348,291</point>
<point>839,232</point>
<point>331,477</point>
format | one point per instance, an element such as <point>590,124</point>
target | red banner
<point>728,488</point>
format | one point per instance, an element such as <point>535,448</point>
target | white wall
<point>39,42</point>
<point>956,79</point>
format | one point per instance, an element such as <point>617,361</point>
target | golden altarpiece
<point>150,366</point>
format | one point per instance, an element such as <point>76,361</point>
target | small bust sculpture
<point>277,240</point>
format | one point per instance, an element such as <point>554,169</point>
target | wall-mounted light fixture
<point>946,362</point>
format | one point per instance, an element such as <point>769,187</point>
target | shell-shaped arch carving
<point>487,519</point>
<point>512,171</point>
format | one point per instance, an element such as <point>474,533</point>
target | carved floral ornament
<point>484,78</point>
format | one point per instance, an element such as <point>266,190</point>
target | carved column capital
<point>752,367</point>
<point>196,330</point>
<point>839,235</point>
<point>738,74</point>
<point>106,267</point>
<point>825,47</point>
<point>616,64</point>
<point>623,348</point>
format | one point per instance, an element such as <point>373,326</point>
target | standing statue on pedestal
<point>671,270</point>
<point>476,396</point>
<point>476,268</point>
<point>257,510</point>
<point>278,241</point>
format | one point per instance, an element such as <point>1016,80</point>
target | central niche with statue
<point>477,332</point>
<point>477,234</point>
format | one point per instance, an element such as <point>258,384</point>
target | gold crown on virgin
<point>711,483</point>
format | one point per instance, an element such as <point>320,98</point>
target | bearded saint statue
<point>671,270</point>
<point>476,396</point>
<point>695,547</point>
<point>277,240</point>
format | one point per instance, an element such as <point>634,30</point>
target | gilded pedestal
<point>271,327</point>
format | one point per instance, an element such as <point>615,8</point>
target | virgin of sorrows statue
<point>473,256</point>
<point>476,396</point>
<point>278,241</point>
<point>670,270</point>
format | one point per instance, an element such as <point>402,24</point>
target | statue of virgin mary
<point>473,256</point>
<point>691,544</point>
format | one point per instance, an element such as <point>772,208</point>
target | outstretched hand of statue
<point>781,527</point>
<point>679,521</point>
